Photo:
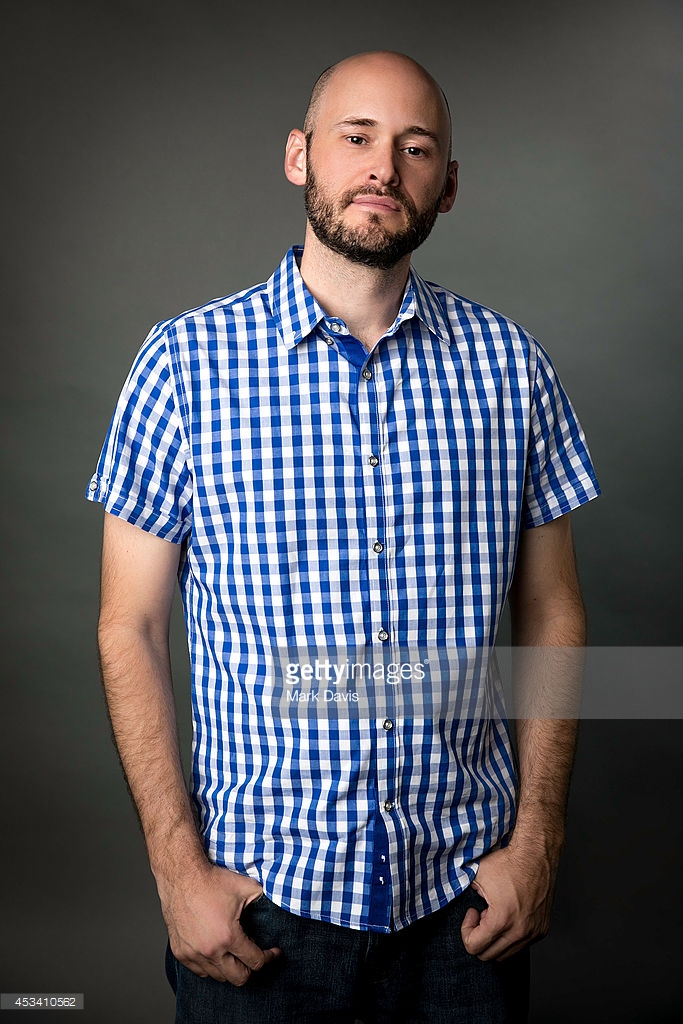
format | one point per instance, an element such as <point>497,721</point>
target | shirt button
<point>92,486</point>
<point>378,546</point>
<point>373,460</point>
<point>336,328</point>
<point>328,339</point>
<point>382,635</point>
<point>367,374</point>
<point>383,859</point>
<point>381,879</point>
<point>388,805</point>
<point>387,724</point>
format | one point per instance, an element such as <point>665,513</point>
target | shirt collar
<point>422,300</point>
<point>294,309</point>
<point>297,313</point>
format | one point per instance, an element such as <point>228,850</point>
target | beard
<point>372,244</point>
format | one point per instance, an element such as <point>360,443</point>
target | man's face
<point>377,169</point>
<point>375,241</point>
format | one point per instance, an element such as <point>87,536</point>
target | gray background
<point>141,176</point>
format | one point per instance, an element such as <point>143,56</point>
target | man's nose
<point>384,167</point>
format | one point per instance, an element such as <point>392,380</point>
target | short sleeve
<point>143,475</point>
<point>559,472</point>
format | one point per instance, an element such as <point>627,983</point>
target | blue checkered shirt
<point>321,493</point>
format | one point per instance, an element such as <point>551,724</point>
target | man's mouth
<point>376,202</point>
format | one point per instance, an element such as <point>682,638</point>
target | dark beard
<point>373,245</point>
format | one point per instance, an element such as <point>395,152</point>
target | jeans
<point>331,975</point>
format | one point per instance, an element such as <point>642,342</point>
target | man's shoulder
<point>236,308</point>
<point>471,317</point>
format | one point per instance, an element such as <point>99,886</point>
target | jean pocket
<point>474,899</point>
<point>260,901</point>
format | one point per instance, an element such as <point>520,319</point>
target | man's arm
<point>517,882</point>
<point>201,902</point>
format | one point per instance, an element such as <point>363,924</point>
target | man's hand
<point>519,896</point>
<point>202,913</point>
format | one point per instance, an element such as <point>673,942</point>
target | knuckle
<point>212,952</point>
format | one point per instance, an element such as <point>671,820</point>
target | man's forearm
<point>547,683</point>
<point>546,754</point>
<point>137,681</point>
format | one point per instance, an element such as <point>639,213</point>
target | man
<point>345,455</point>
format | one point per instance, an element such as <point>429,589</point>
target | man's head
<point>374,158</point>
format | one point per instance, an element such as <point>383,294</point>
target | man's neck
<point>367,299</point>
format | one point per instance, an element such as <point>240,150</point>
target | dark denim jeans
<point>332,975</point>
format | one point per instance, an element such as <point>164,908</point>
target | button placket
<point>374,396</point>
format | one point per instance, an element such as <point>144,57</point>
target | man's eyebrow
<point>368,122</point>
<point>417,129</point>
<point>357,122</point>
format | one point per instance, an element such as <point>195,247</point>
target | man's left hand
<point>518,891</point>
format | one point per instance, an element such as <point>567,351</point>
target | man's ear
<point>451,187</point>
<point>295,157</point>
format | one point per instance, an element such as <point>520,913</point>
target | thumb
<point>470,923</point>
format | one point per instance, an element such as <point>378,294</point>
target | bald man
<point>345,458</point>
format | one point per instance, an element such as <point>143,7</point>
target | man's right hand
<point>202,911</point>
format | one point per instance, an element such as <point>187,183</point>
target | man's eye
<point>415,151</point>
<point>357,140</point>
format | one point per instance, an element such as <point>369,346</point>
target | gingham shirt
<point>322,493</point>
